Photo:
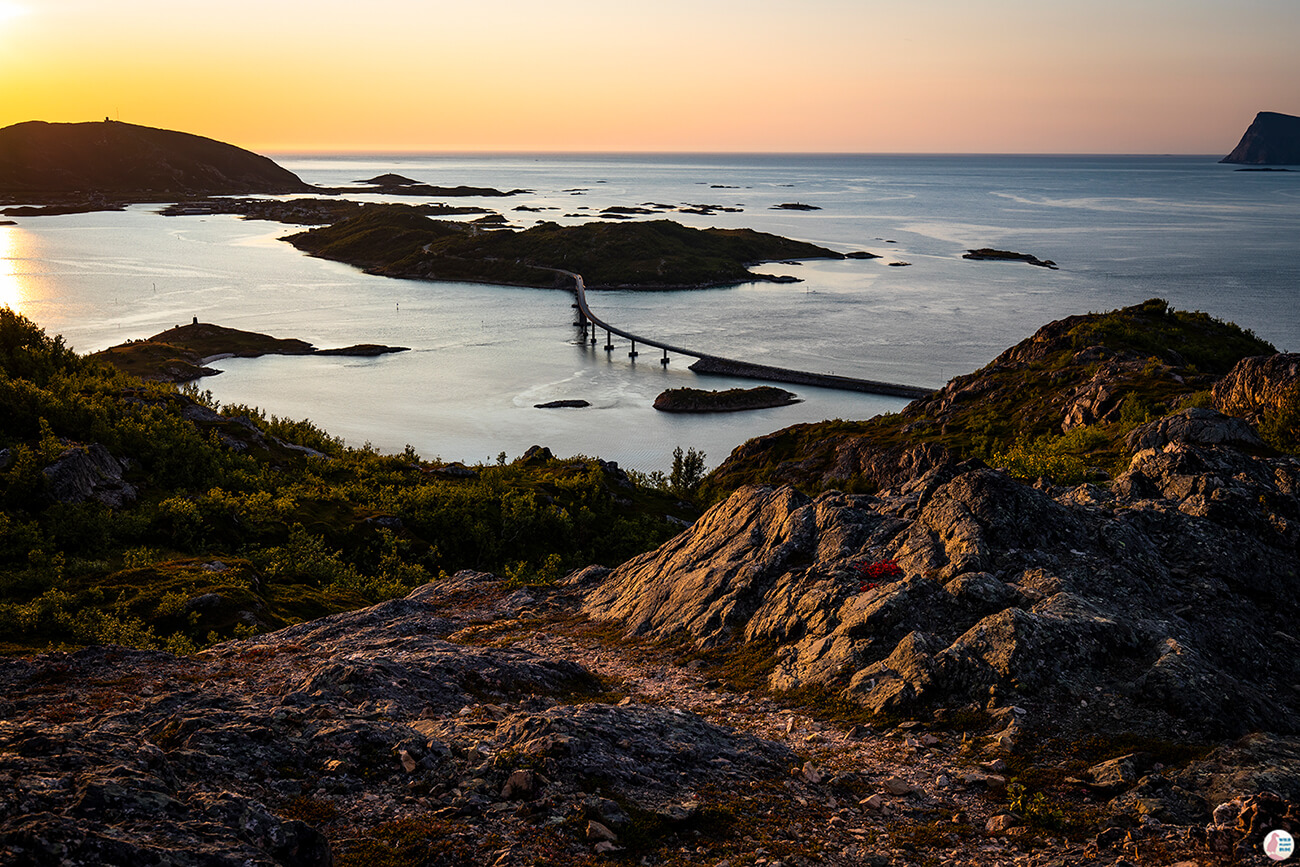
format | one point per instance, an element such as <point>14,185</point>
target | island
<point>396,185</point>
<point>301,211</point>
<point>1272,139</point>
<point>181,354</point>
<point>651,254</point>
<point>991,255</point>
<point>731,400</point>
<point>61,168</point>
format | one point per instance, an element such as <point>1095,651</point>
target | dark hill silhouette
<point>114,157</point>
<point>1272,139</point>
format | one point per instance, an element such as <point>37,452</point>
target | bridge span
<point>716,364</point>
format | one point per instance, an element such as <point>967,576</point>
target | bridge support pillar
<point>664,360</point>
<point>609,342</point>
<point>633,353</point>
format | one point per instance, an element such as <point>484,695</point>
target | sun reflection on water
<point>11,290</point>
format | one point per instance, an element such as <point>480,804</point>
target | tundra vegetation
<point>224,521</point>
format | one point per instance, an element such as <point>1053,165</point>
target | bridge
<point>716,364</point>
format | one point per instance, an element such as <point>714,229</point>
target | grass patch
<point>425,841</point>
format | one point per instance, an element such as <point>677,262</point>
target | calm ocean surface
<point>1122,229</point>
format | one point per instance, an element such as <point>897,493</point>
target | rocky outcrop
<point>1124,366</point>
<point>1198,427</point>
<point>122,158</point>
<point>1167,600</point>
<point>1260,384</point>
<point>89,472</point>
<point>1271,139</point>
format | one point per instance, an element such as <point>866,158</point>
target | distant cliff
<point>1271,140</point>
<point>116,158</point>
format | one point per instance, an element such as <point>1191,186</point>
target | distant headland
<point>40,159</point>
<point>1272,139</point>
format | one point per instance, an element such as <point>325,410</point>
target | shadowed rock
<point>1271,139</point>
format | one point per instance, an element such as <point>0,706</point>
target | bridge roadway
<point>716,364</point>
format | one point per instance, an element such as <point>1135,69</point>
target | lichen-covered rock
<point>1260,384</point>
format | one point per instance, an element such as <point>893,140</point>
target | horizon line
<point>289,151</point>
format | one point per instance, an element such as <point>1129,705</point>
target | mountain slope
<point>114,157</point>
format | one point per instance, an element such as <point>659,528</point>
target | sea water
<point>1122,229</point>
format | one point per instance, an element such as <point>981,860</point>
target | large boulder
<point>1258,385</point>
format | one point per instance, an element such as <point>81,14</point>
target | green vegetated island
<point>1066,582</point>
<point>183,353</point>
<point>656,254</point>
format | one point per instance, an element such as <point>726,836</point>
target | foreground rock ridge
<point>944,660</point>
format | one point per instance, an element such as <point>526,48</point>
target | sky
<point>866,76</point>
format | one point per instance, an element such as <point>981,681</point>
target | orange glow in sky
<point>1005,76</point>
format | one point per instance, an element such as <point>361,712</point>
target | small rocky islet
<point>988,254</point>
<point>875,647</point>
<point>730,400</point>
<point>182,353</point>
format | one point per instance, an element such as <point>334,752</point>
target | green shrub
<point>1028,462</point>
<point>1034,807</point>
<point>1280,426</point>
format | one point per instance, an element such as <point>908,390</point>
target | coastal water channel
<point>1123,229</point>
